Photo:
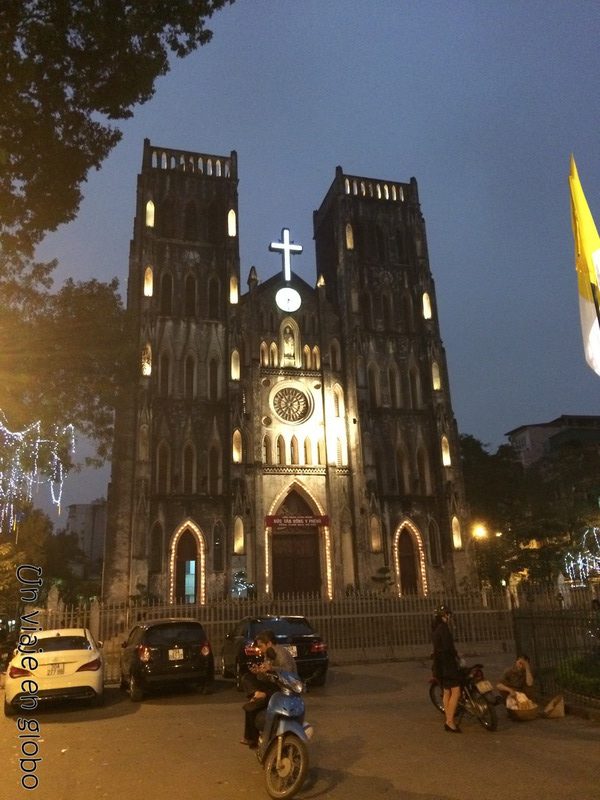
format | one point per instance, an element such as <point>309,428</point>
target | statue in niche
<point>289,344</point>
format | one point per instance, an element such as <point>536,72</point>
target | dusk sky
<point>482,102</point>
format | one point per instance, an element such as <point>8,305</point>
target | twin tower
<point>299,435</point>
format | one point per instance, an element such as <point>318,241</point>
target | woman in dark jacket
<point>446,666</point>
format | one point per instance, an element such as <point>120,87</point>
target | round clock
<point>288,299</point>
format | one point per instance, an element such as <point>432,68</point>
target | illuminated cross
<point>286,247</point>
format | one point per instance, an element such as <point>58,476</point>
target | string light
<point>28,460</point>
<point>580,564</point>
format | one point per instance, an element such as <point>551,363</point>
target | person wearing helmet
<point>446,666</point>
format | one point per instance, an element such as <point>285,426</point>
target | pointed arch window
<point>189,469</point>
<point>190,296</point>
<point>388,315</point>
<point>273,355</point>
<point>267,452</point>
<point>393,383</point>
<point>415,393</point>
<point>435,377</point>
<point>149,214</point>
<point>148,282</point>
<point>349,237</point>
<point>239,544</point>
<point>233,290</point>
<point>316,354</point>
<point>426,306</point>
<point>280,450</point>
<point>237,453</point>
<point>147,360</point>
<point>456,534</point>
<point>435,551</point>
<point>231,223</point>
<point>295,453</point>
<point>321,452</point>
<point>264,354</point>
<point>375,534</point>
<point>338,401</point>
<point>166,294</point>
<point>402,472</point>
<point>306,357</point>
<point>307,451</point>
<point>423,470</point>
<point>189,378</point>
<point>446,459</point>
<point>235,365</point>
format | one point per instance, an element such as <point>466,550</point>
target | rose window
<point>291,404</point>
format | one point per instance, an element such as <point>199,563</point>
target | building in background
<point>88,522</point>
<point>301,436</point>
<point>533,442</point>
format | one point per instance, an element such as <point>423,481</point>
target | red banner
<point>295,522</point>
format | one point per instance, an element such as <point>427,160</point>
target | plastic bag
<point>555,708</point>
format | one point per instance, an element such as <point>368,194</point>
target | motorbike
<point>477,697</point>
<point>282,749</point>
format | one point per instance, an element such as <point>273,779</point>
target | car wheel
<point>9,709</point>
<point>318,680</point>
<point>224,671</point>
<point>135,689</point>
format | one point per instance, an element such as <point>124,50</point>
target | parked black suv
<point>295,633</point>
<point>166,651</point>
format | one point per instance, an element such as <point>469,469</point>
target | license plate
<point>176,654</point>
<point>56,669</point>
<point>293,649</point>
<point>484,686</point>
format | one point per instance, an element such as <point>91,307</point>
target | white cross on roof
<point>286,248</point>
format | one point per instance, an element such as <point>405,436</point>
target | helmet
<point>442,611</point>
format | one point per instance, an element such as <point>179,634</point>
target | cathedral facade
<point>299,438</point>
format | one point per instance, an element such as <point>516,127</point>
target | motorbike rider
<point>446,666</point>
<point>276,658</point>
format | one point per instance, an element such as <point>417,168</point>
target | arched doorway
<point>186,562</point>
<point>408,563</point>
<point>295,551</point>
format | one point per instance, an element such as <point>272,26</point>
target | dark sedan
<point>166,651</point>
<point>294,632</point>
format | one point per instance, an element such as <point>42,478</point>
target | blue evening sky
<point>483,102</point>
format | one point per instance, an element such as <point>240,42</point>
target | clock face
<point>288,299</point>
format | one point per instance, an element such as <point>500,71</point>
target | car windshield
<point>283,626</point>
<point>168,634</point>
<point>49,644</point>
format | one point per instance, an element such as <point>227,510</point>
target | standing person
<point>446,666</point>
<point>276,659</point>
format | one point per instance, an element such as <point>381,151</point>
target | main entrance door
<point>408,564</point>
<point>296,565</point>
<point>295,554</point>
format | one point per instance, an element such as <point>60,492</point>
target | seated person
<point>276,659</point>
<point>518,678</point>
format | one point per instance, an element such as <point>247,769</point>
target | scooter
<point>282,742</point>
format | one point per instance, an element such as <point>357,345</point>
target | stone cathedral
<point>299,435</point>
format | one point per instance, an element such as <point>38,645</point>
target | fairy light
<point>586,560</point>
<point>28,460</point>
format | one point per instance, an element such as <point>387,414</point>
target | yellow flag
<point>587,264</point>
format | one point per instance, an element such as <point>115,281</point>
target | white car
<point>64,663</point>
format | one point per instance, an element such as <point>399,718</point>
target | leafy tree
<point>26,545</point>
<point>68,70</point>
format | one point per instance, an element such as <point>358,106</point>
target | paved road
<point>376,736</point>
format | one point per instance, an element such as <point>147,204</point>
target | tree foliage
<point>540,511</point>
<point>68,70</point>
